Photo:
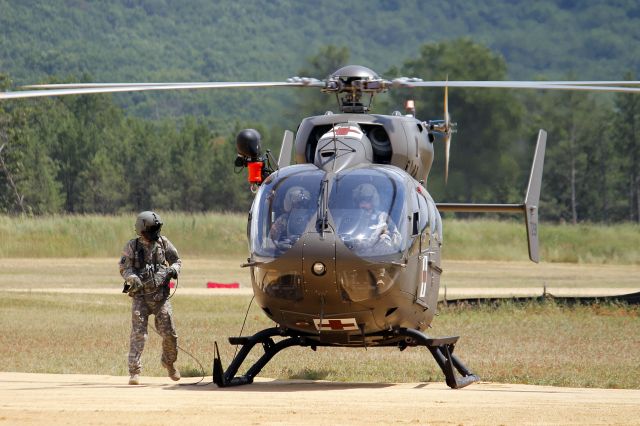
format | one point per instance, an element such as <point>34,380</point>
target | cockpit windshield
<point>366,207</point>
<point>283,208</point>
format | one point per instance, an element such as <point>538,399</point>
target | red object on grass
<point>212,284</point>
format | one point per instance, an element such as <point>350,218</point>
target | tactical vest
<point>148,271</point>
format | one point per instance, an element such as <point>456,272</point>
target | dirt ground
<point>88,399</point>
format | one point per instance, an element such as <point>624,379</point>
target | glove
<point>172,273</point>
<point>135,285</point>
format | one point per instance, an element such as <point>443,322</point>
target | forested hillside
<point>175,151</point>
<point>229,40</point>
<point>270,39</point>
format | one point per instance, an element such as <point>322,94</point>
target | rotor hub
<point>355,71</point>
<point>353,81</point>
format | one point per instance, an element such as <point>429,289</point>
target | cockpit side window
<point>283,209</point>
<point>424,212</point>
<point>426,218</point>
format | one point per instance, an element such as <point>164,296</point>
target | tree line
<point>85,154</point>
<point>82,154</point>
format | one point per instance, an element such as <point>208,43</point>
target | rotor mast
<point>352,82</point>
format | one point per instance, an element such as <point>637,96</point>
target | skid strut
<point>441,349</point>
<point>228,378</point>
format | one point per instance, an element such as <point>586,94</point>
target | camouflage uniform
<point>297,212</point>
<point>279,228</point>
<point>149,261</point>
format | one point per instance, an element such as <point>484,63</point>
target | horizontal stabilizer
<point>531,202</point>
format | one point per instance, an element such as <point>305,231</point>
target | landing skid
<point>440,348</point>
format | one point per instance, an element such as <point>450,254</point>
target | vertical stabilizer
<point>532,199</point>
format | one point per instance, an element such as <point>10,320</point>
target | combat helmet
<point>148,225</point>
<point>366,192</point>
<point>296,197</point>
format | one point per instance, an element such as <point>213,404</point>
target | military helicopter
<point>345,244</point>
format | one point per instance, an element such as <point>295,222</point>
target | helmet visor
<point>152,232</point>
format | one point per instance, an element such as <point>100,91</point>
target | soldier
<point>147,264</point>
<point>375,228</point>
<point>293,221</point>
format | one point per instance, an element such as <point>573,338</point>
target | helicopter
<point>344,238</point>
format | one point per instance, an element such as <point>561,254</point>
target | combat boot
<point>134,379</point>
<point>174,374</point>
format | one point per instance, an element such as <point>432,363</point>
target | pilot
<point>375,227</point>
<point>293,221</point>
<point>147,264</point>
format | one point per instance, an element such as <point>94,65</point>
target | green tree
<point>484,158</point>
<point>88,124</point>
<point>577,165</point>
<point>103,188</point>
<point>627,142</point>
<point>145,162</point>
<point>27,170</point>
<point>190,160</point>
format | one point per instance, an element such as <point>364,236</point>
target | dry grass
<point>103,273</point>
<point>541,344</point>
<point>536,343</point>
<point>224,235</point>
<point>496,274</point>
<point>76,236</point>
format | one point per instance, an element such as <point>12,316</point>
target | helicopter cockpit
<point>363,207</point>
<point>283,209</point>
<point>367,210</point>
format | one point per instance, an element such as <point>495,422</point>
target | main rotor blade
<point>535,83</point>
<point>88,85</point>
<point>141,87</point>
<point>519,85</point>
<point>592,83</point>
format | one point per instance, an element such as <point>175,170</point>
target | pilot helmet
<point>148,225</point>
<point>296,197</point>
<point>366,192</point>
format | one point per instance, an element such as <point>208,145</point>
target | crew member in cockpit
<point>292,222</point>
<point>375,227</point>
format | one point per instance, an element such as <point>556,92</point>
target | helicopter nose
<point>318,264</point>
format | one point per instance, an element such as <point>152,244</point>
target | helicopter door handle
<point>246,265</point>
<point>401,264</point>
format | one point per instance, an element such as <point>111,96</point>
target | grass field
<point>224,235</point>
<point>536,343</point>
<point>546,343</point>
<point>101,273</point>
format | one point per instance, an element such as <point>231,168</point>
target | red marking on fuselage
<point>336,325</point>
